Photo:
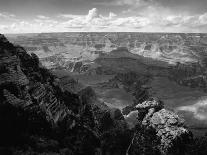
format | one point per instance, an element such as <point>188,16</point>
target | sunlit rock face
<point>168,127</point>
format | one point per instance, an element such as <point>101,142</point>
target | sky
<point>37,16</point>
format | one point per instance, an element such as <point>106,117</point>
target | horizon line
<point>105,32</point>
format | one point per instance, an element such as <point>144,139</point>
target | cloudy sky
<point>29,16</point>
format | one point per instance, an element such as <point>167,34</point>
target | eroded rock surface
<point>167,125</point>
<point>169,128</point>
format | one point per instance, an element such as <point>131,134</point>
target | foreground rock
<point>171,135</point>
<point>169,128</point>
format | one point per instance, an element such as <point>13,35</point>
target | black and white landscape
<point>128,82</point>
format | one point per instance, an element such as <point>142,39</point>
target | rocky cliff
<point>35,109</point>
<point>167,126</point>
<point>38,116</point>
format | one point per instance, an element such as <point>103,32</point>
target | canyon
<point>176,63</point>
<point>79,93</point>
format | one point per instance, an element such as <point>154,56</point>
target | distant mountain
<point>86,47</point>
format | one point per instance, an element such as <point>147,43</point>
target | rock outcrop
<point>167,125</point>
<point>170,129</point>
<point>147,109</point>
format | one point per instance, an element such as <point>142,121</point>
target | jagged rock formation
<point>149,108</point>
<point>168,127</point>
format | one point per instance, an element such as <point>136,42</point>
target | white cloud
<point>192,22</point>
<point>69,16</point>
<point>7,15</point>
<point>149,21</point>
<point>133,3</point>
<point>94,21</point>
<point>34,26</point>
<point>112,15</point>
<point>42,17</point>
<point>93,13</point>
<point>198,109</point>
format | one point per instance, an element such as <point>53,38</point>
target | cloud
<point>93,13</point>
<point>6,15</point>
<point>69,16</point>
<point>112,15</point>
<point>42,17</point>
<point>33,26</point>
<point>198,109</point>
<point>129,3</point>
<point>133,2</point>
<point>145,22</point>
<point>186,21</point>
<point>151,20</point>
<point>94,21</point>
